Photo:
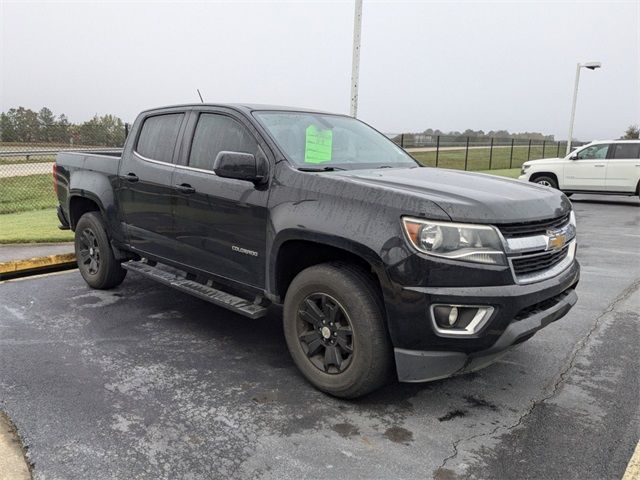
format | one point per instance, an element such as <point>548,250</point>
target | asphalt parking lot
<point>146,382</point>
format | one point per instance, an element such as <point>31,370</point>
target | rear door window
<point>158,137</point>
<point>626,150</point>
<point>216,133</point>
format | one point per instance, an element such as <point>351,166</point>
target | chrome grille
<point>538,262</point>
<point>527,229</point>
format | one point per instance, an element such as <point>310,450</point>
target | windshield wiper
<point>319,169</point>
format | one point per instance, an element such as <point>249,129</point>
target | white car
<point>604,167</point>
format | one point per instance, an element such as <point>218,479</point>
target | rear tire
<point>334,327</point>
<point>96,262</point>
<point>546,181</point>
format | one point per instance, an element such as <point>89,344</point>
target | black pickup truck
<point>385,269</point>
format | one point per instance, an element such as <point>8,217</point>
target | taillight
<point>55,178</point>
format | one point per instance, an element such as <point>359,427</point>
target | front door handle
<point>598,166</point>
<point>131,177</point>
<point>185,188</point>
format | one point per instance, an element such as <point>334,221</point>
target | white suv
<point>611,167</point>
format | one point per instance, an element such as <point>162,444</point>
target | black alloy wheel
<point>89,252</point>
<point>94,254</point>
<point>325,333</point>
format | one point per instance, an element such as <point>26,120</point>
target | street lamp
<point>590,66</point>
<point>355,59</point>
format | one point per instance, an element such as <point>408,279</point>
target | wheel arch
<point>79,204</point>
<point>296,250</point>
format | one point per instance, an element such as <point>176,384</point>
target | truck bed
<point>104,162</point>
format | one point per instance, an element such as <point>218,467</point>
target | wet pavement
<point>146,382</point>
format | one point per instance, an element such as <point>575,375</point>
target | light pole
<point>355,60</point>
<point>590,66</point>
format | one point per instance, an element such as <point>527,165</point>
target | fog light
<point>453,316</point>
<point>456,320</point>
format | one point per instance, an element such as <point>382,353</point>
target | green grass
<point>479,158</point>
<point>27,212</point>
<point>504,172</point>
<point>30,192</point>
<point>34,226</point>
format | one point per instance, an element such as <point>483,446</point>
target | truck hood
<point>544,161</point>
<point>470,197</point>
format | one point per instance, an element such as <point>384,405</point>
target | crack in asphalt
<point>560,379</point>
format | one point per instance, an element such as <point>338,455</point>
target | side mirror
<point>241,166</point>
<point>573,156</point>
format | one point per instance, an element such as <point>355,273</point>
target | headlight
<point>524,169</point>
<point>456,241</point>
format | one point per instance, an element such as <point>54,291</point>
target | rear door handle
<point>598,166</point>
<point>131,177</point>
<point>185,188</point>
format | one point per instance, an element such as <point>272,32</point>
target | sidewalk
<point>22,257</point>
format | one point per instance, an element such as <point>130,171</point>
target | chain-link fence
<point>27,197</point>
<point>28,201</point>
<point>477,153</point>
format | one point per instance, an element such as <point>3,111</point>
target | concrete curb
<point>633,469</point>
<point>16,267</point>
<point>13,464</point>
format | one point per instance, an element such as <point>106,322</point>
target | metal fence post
<point>558,149</point>
<point>126,130</point>
<point>402,140</point>
<point>529,151</point>
<point>466,154</point>
<point>491,153</point>
<point>543,145</point>
<point>437,149</point>
<point>511,155</point>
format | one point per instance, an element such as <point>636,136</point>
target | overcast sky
<point>447,65</point>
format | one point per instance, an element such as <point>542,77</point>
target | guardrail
<point>45,153</point>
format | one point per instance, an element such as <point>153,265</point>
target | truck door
<point>623,170</point>
<point>220,223</point>
<point>588,169</point>
<point>145,193</point>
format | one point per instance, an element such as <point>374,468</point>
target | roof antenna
<point>200,95</point>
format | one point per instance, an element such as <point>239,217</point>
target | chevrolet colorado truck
<point>385,269</point>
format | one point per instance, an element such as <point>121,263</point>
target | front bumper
<point>523,310</point>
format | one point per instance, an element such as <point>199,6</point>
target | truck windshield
<point>312,140</point>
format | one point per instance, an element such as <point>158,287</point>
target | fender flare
<point>342,243</point>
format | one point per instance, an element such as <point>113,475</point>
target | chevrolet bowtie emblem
<point>555,240</point>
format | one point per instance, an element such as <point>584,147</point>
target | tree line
<point>23,125</point>
<point>490,134</point>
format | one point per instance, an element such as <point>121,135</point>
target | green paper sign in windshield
<point>318,145</point>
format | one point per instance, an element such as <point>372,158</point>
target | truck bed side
<point>85,182</point>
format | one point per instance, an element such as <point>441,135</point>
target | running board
<point>209,294</point>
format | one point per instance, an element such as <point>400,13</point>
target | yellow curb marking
<point>39,262</point>
<point>633,469</point>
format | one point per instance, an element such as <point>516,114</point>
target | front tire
<point>546,181</point>
<point>334,328</point>
<point>96,262</point>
